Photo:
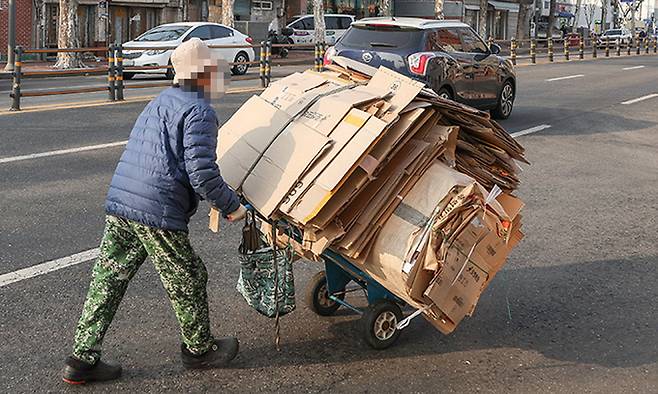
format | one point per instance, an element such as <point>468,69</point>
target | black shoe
<point>80,372</point>
<point>219,355</point>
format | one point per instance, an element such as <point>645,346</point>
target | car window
<point>163,33</point>
<point>308,23</point>
<point>220,32</point>
<point>471,42</point>
<point>297,25</point>
<point>331,23</point>
<point>381,38</point>
<point>344,22</point>
<point>445,39</point>
<point>202,32</point>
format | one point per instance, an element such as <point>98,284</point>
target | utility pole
<point>11,36</point>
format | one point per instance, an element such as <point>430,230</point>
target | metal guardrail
<point>530,49</point>
<point>116,69</point>
<point>578,45</point>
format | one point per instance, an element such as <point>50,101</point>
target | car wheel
<point>240,69</point>
<point>505,102</point>
<point>445,93</point>
<point>127,76</point>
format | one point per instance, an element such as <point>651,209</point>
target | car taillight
<point>331,52</point>
<point>249,40</point>
<point>418,62</point>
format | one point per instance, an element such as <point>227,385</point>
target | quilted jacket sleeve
<point>200,144</point>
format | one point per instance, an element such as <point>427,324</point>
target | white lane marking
<point>78,258</point>
<point>567,77</point>
<point>530,130</point>
<point>60,152</point>
<point>48,266</point>
<point>637,100</point>
<point>632,68</point>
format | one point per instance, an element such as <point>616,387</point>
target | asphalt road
<point>573,310</point>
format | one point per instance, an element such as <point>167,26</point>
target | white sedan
<point>611,36</point>
<point>171,35</point>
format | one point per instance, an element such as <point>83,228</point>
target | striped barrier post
<point>322,51</point>
<point>533,52</point>
<point>16,83</point>
<point>566,49</point>
<point>646,45</point>
<point>638,44</point>
<point>118,75</point>
<point>317,57</point>
<point>629,46</point>
<point>550,49</point>
<point>263,81</point>
<point>512,47</point>
<point>655,45</point>
<point>581,47</point>
<point>618,48</point>
<point>595,44</point>
<point>110,74</point>
<point>268,63</point>
<point>607,47</point>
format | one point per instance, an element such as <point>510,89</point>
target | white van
<point>303,28</point>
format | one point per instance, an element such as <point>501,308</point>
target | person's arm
<point>200,144</point>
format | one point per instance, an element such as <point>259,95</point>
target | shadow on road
<point>575,313</point>
<point>578,122</point>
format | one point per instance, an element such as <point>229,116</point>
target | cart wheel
<point>317,296</point>
<point>379,324</point>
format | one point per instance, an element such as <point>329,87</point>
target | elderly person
<point>168,165</point>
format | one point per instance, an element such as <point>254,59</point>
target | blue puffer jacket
<point>170,162</point>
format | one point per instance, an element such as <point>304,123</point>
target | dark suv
<point>448,56</point>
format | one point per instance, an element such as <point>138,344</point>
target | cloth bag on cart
<point>266,275</point>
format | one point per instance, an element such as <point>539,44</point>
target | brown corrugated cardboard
<point>456,290</point>
<point>285,154</point>
<point>332,176</point>
<point>341,136</point>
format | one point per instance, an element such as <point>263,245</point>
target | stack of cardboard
<point>355,162</point>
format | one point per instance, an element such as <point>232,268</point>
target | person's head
<point>196,68</point>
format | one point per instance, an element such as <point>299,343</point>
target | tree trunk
<point>438,9</point>
<point>551,18</point>
<point>318,20</point>
<point>604,15</point>
<point>579,6</point>
<point>281,18</point>
<point>523,23</point>
<point>482,23</point>
<point>68,35</point>
<point>228,19</point>
<point>386,8</point>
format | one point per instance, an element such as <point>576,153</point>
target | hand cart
<point>381,321</point>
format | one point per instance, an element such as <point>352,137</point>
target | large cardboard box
<point>265,163</point>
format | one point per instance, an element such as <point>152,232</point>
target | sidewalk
<point>39,66</point>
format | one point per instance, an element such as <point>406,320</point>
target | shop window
<point>262,5</point>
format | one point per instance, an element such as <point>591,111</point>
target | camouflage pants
<point>124,247</point>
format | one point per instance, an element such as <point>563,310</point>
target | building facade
<point>24,25</point>
<point>502,16</point>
